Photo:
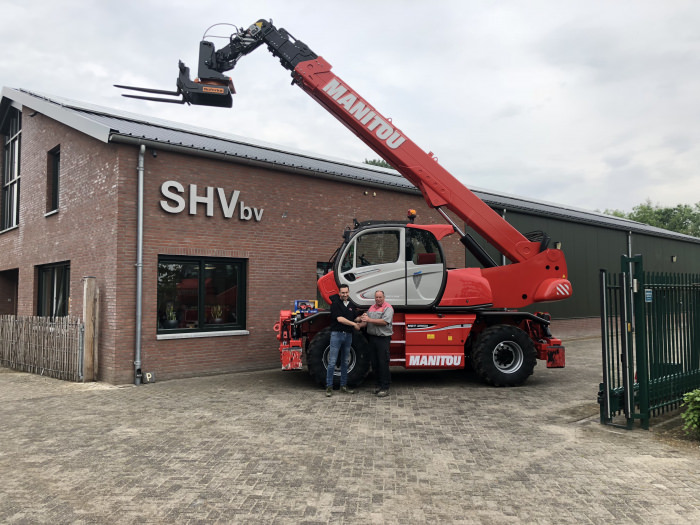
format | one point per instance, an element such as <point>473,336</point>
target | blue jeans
<point>340,344</point>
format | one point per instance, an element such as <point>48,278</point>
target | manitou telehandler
<point>443,318</point>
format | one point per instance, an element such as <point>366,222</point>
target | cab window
<point>422,247</point>
<point>378,248</point>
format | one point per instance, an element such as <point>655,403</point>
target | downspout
<point>139,267</point>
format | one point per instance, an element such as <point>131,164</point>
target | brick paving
<point>268,447</point>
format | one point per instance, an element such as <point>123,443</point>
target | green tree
<point>379,162</point>
<point>682,218</point>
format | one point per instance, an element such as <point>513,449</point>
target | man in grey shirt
<point>379,319</point>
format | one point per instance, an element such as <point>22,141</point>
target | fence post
<point>605,412</point>
<point>90,320</point>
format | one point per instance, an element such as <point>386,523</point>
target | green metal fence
<point>650,327</point>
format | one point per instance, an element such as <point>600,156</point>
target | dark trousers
<point>379,346</point>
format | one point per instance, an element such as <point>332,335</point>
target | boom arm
<point>439,188</point>
<point>313,74</point>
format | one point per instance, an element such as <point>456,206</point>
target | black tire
<point>504,355</point>
<point>317,359</point>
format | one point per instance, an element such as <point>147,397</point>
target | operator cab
<point>405,261</point>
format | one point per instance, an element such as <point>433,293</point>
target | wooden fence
<point>41,345</point>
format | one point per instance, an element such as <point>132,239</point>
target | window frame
<point>43,271</point>
<point>53,174</point>
<point>10,176</point>
<point>204,328</point>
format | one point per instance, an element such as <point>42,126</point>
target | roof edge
<point>57,112</point>
<point>186,150</point>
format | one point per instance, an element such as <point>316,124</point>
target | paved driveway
<point>267,447</point>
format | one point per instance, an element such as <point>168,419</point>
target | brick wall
<point>83,231</point>
<point>95,229</point>
<point>302,224</point>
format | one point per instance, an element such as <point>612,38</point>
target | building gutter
<point>139,267</point>
<point>257,163</point>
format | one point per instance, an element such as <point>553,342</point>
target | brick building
<point>232,232</point>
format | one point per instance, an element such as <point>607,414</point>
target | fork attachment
<point>210,92</point>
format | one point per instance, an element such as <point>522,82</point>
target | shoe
<point>382,393</point>
<point>329,391</point>
<point>346,390</point>
<point>376,390</point>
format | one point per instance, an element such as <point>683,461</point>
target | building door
<point>8,292</point>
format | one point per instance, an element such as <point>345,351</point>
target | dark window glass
<point>200,294</point>
<point>422,247</point>
<point>377,248</point>
<point>9,188</point>
<point>53,170</point>
<point>349,259</point>
<point>54,290</point>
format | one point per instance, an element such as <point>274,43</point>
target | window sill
<point>196,335</point>
<point>50,213</point>
<point>9,229</point>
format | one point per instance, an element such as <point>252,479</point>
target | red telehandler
<point>443,318</point>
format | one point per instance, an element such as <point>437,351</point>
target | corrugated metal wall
<point>590,247</point>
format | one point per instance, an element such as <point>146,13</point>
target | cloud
<point>591,104</point>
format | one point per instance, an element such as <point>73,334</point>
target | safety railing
<point>650,328</point>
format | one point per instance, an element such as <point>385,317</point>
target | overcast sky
<point>588,103</point>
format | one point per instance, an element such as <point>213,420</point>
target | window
<point>10,171</point>
<point>374,247</point>
<point>54,290</point>
<point>380,247</point>
<point>198,294</point>
<point>422,247</point>
<point>53,170</point>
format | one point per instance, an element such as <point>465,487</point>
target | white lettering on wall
<point>176,202</point>
<point>196,199</point>
<point>228,207</point>
<point>165,189</point>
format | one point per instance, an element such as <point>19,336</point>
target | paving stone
<point>269,447</point>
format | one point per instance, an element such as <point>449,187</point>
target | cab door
<point>374,260</point>
<point>425,268</point>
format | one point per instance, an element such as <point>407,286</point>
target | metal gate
<point>650,328</point>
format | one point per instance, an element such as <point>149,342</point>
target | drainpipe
<point>139,267</point>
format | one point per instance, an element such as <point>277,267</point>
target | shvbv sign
<point>177,201</point>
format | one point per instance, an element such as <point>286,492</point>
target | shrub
<point>691,415</point>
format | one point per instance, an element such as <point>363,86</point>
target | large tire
<point>504,355</point>
<point>317,359</point>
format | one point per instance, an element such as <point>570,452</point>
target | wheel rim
<point>508,357</point>
<point>351,362</point>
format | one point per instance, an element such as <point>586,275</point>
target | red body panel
<point>436,341</point>
<point>466,287</point>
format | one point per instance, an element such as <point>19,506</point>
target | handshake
<point>363,320</point>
